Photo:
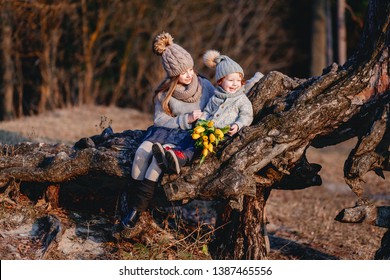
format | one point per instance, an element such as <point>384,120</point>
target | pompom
<point>161,42</point>
<point>209,58</point>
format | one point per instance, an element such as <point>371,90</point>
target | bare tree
<point>89,41</point>
<point>51,17</point>
<point>318,38</point>
<point>341,32</point>
<point>7,111</point>
<point>76,52</point>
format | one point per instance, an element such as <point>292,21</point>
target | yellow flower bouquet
<point>207,137</point>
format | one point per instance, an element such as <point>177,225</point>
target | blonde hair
<point>219,82</point>
<point>167,85</point>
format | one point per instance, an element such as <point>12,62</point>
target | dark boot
<point>131,219</point>
<point>176,160</point>
<point>141,197</point>
<point>123,204</point>
<point>159,154</point>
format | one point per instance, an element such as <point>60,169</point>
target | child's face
<point>232,82</point>
<point>186,77</point>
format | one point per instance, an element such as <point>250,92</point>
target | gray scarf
<point>190,93</point>
<point>222,94</point>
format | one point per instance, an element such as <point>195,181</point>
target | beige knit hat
<point>175,59</point>
<point>224,65</point>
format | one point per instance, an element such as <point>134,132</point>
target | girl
<point>179,100</point>
<point>228,106</point>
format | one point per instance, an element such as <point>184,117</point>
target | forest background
<point>64,53</point>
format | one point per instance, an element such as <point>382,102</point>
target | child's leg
<point>177,158</point>
<point>181,154</point>
<point>189,152</point>
<point>141,160</point>
<point>142,194</point>
<point>159,154</point>
<point>154,171</point>
<point>143,190</point>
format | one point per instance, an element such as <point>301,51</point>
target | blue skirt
<point>175,136</point>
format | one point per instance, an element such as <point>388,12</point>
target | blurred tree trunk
<point>329,34</point>
<point>318,37</point>
<point>19,85</point>
<point>88,87</point>
<point>122,73</point>
<point>50,22</point>
<point>341,32</point>
<point>7,94</point>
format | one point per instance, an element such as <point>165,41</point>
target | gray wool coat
<point>229,108</point>
<point>180,109</point>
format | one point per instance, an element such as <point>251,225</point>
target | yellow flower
<point>218,133</point>
<point>207,137</point>
<point>195,136</point>
<point>199,129</point>
<point>212,138</point>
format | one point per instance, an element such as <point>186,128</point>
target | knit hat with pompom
<point>175,59</point>
<point>224,65</point>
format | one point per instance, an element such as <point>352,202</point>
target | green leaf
<point>205,250</point>
<point>202,123</point>
<point>202,160</point>
<point>225,129</point>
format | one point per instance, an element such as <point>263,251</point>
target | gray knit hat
<point>224,65</point>
<point>175,59</point>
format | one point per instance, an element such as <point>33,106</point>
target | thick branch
<point>370,153</point>
<point>369,214</point>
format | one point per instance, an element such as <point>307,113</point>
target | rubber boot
<point>142,195</point>
<point>176,159</point>
<point>131,219</point>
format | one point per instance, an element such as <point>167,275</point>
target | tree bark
<point>290,115</point>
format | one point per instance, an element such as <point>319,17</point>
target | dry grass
<point>69,125</point>
<point>307,216</point>
<point>301,223</point>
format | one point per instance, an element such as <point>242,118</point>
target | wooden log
<point>369,214</point>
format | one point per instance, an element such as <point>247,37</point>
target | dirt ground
<point>301,223</point>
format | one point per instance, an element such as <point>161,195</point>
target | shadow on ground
<point>293,250</point>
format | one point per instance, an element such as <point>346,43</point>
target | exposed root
<point>360,213</point>
<point>11,193</point>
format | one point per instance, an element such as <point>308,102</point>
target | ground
<point>300,225</point>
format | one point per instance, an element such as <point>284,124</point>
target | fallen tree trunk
<point>290,115</point>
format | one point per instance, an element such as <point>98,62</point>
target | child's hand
<point>233,129</point>
<point>194,116</point>
<point>202,116</point>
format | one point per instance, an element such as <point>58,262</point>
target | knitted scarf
<point>222,94</point>
<point>189,93</point>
